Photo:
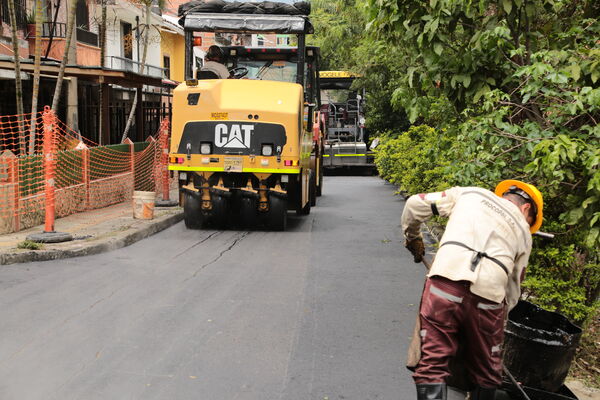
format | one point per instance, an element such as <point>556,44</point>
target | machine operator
<point>215,58</point>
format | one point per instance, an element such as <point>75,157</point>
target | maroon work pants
<point>450,312</point>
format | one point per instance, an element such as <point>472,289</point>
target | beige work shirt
<point>484,222</point>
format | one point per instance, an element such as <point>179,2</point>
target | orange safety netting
<point>67,173</point>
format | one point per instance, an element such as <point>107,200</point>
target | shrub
<point>415,160</point>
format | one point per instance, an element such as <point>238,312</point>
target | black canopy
<point>244,7</point>
<point>247,23</point>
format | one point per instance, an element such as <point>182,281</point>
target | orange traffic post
<point>17,191</point>
<point>131,160</point>
<point>164,159</point>
<point>49,163</point>
<point>85,166</point>
<point>162,170</point>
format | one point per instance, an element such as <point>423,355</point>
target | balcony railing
<point>125,64</point>
<point>87,37</point>
<point>60,30</point>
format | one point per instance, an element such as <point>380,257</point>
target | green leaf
<point>594,219</point>
<point>574,216</point>
<point>481,92</point>
<point>507,5</point>
<point>410,73</point>
<point>588,201</point>
<point>413,114</point>
<point>467,80</point>
<point>592,237</point>
<point>438,48</point>
<point>575,71</point>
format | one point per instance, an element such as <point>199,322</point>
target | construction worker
<point>474,280</point>
<point>214,62</point>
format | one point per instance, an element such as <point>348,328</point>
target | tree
<point>147,7</point>
<point>65,59</point>
<point>36,74</point>
<point>517,80</point>
<point>102,64</point>
<point>18,82</point>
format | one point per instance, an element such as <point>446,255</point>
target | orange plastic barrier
<point>67,173</point>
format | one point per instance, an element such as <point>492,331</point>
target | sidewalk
<point>94,232</point>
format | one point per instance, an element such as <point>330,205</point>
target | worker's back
<point>483,222</point>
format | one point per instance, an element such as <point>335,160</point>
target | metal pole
<point>301,58</point>
<point>515,383</point>
<point>137,37</point>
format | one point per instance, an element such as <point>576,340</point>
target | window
<point>271,70</point>
<point>82,16</point>
<point>82,19</point>
<point>260,39</point>
<point>127,43</point>
<point>19,12</point>
<point>283,40</point>
<point>167,66</point>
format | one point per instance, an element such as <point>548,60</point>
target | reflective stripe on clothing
<point>447,296</point>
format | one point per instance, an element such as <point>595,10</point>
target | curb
<point>95,248</point>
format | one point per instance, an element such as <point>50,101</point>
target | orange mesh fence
<point>67,174</point>
<point>15,133</point>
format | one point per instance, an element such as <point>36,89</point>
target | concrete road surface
<point>322,311</point>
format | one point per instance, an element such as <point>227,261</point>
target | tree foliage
<point>340,35</point>
<point>511,90</point>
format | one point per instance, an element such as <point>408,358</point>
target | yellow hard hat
<point>531,191</point>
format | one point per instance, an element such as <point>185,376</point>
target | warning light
<point>198,41</point>
<point>287,163</point>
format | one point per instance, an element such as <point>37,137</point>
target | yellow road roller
<point>247,147</point>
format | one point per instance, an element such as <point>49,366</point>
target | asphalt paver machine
<point>343,114</point>
<point>248,148</point>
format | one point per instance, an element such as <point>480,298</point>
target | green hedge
<point>563,274</point>
<point>415,160</point>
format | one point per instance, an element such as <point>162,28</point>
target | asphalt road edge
<point>104,245</point>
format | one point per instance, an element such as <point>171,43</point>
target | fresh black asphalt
<point>322,311</point>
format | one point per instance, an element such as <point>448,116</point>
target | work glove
<point>417,248</point>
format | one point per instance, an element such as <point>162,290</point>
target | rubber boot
<point>483,393</point>
<point>431,391</point>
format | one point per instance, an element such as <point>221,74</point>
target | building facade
<point>96,98</point>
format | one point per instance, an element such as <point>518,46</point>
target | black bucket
<point>539,346</point>
<point>509,392</point>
